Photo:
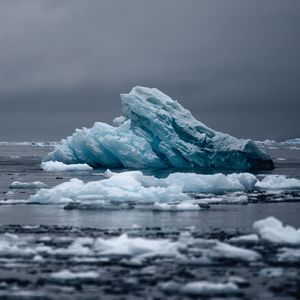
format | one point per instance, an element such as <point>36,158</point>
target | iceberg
<point>155,131</point>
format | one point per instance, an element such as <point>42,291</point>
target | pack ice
<point>155,131</point>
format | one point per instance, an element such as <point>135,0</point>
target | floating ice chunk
<point>68,275</point>
<point>9,193</point>
<point>226,251</point>
<point>216,183</point>
<point>157,132</point>
<point>206,288</point>
<point>289,255</point>
<point>271,272</point>
<point>27,185</point>
<point>278,182</point>
<point>183,206</point>
<point>57,166</point>
<point>241,199</point>
<point>272,230</point>
<point>133,186</point>
<point>249,238</point>
<point>122,187</point>
<point>139,247</point>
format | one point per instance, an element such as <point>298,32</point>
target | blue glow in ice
<point>157,132</point>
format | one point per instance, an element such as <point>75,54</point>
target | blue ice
<point>155,131</point>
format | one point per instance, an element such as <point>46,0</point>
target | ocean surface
<point>21,278</point>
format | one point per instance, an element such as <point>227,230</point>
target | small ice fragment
<point>278,182</point>
<point>226,251</point>
<point>249,238</point>
<point>206,288</point>
<point>272,230</point>
<point>139,247</point>
<point>271,272</point>
<point>27,185</point>
<point>68,275</point>
<point>57,166</point>
<point>183,206</point>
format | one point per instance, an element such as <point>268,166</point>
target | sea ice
<point>226,251</point>
<point>272,230</point>
<point>65,275</point>
<point>57,166</point>
<point>289,255</point>
<point>206,288</point>
<point>133,186</point>
<point>278,182</point>
<point>157,132</point>
<point>139,247</point>
<point>183,206</point>
<point>27,185</point>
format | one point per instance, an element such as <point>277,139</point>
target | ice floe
<point>27,185</point>
<point>206,288</point>
<point>57,166</point>
<point>183,206</point>
<point>272,230</point>
<point>66,275</point>
<point>278,182</point>
<point>226,251</point>
<point>157,132</point>
<point>136,187</point>
<point>184,191</point>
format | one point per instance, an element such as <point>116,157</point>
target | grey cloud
<point>227,61</point>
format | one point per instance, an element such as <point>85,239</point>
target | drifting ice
<point>157,132</point>
<point>136,187</point>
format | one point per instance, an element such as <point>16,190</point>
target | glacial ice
<point>157,132</point>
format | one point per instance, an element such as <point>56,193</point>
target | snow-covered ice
<point>157,132</point>
<point>57,166</point>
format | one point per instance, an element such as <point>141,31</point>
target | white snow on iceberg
<point>157,132</point>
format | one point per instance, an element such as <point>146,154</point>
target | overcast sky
<point>234,64</point>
